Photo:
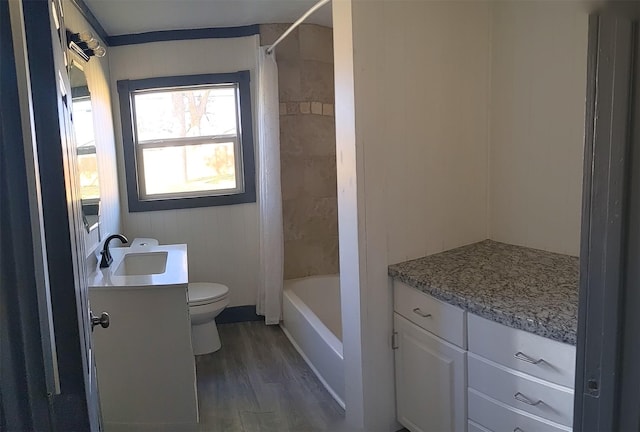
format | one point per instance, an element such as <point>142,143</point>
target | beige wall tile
<point>301,258</point>
<point>320,178</point>
<point>289,83</point>
<point>311,236</point>
<point>293,264</point>
<point>291,136</point>
<point>292,175</point>
<point>330,262</point>
<point>295,218</point>
<point>310,258</point>
<point>320,219</point>
<point>307,149</point>
<point>318,135</point>
<point>316,43</point>
<point>316,81</point>
<point>289,48</point>
<point>270,32</point>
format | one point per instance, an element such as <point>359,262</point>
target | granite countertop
<point>523,288</point>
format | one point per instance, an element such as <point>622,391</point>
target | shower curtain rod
<point>297,23</point>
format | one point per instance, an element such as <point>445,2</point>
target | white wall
<point>222,241</point>
<point>97,73</point>
<point>468,125</point>
<point>538,90</point>
<point>413,180</point>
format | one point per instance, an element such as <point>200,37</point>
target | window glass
<point>188,141</point>
<point>184,169</point>
<point>195,112</point>
<point>167,123</point>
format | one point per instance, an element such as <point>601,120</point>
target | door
<point>629,393</point>
<point>28,370</point>
<point>607,389</point>
<point>430,380</point>
<point>61,211</point>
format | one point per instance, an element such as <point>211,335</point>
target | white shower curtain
<point>269,302</point>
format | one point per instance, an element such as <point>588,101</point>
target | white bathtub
<point>313,323</point>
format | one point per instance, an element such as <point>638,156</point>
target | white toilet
<point>206,301</point>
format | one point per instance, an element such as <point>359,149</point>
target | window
<point>188,141</point>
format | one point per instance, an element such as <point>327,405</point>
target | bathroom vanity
<point>145,362</point>
<point>484,339</point>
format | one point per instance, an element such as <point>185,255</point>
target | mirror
<point>86,147</point>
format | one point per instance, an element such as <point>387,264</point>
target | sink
<point>143,267</point>
<point>142,263</point>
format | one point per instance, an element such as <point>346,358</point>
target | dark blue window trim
<point>174,35</point>
<point>126,87</point>
<point>163,35</point>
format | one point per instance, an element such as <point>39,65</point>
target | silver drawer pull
<point>417,311</point>
<point>517,429</point>
<point>525,358</point>
<point>522,398</point>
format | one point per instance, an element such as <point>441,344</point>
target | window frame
<point>126,89</point>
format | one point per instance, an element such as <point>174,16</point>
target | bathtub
<point>311,319</point>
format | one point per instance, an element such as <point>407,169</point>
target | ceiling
<point>138,16</point>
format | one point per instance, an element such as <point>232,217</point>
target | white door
<point>46,45</point>
<point>430,380</point>
<point>77,237</point>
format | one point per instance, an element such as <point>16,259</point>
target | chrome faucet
<point>107,259</point>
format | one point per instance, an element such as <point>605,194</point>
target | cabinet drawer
<point>496,416</point>
<point>523,351</point>
<point>523,392</point>
<point>441,319</point>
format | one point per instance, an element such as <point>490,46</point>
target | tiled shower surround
<point>307,148</point>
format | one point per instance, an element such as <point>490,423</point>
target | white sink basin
<point>142,263</point>
<point>145,267</point>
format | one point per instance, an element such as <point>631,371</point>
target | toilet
<point>206,301</point>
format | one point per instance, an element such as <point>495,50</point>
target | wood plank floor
<point>258,382</point>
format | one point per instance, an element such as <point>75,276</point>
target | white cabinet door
<point>430,380</point>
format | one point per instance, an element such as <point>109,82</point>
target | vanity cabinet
<point>145,363</point>
<point>507,380</point>
<point>430,371</point>
<point>144,359</point>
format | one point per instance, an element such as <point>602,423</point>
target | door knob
<point>102,320</point>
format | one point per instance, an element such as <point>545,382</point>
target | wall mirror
<point>86,146</point>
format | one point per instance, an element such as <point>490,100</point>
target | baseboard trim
<point>237,314</point>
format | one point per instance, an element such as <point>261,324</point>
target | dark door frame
<point>25,391</point>
<point>70,408</point>
<point>607,391</point>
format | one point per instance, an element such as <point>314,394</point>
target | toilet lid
<point>206,292</point>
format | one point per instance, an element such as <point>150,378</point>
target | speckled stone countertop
<point>523,288</point>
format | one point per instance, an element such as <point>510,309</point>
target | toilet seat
<point>202,293</point>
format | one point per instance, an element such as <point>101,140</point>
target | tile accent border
<point>316,108</point>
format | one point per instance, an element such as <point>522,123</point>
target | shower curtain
<point>269,302</point>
